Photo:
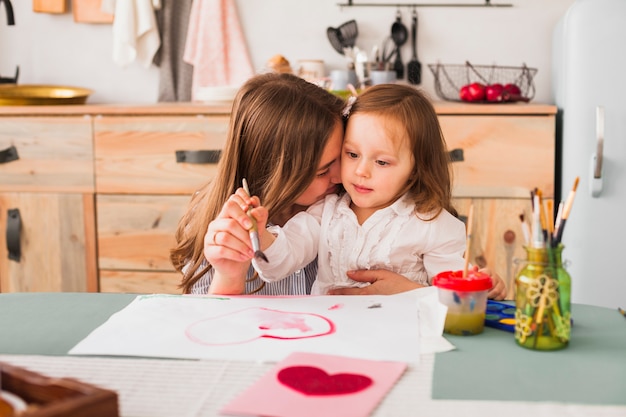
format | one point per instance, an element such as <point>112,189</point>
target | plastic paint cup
<point>466,299</point>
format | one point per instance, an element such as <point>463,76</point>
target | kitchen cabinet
<point>147,168</point>
<point>508,150</point>
<point>47,218</point>
<point>101,188</point>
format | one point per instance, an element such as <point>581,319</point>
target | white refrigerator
<point>589,79</point>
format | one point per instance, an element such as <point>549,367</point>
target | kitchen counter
<point>442,107</point>
<point>111,182</point>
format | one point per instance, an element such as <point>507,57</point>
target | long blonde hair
<point>430,183</point>
<point>278,129</point>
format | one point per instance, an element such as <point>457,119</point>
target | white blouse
<point>393,238</point>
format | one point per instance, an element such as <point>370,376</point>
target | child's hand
<point>498,291</point>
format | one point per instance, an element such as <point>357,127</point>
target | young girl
<point>396,213</point>
<point>285,138</point>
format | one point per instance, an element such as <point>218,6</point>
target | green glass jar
<point>542,301</point>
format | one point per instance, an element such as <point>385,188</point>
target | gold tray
<point>28,95</point>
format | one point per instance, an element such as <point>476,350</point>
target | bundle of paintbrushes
<point>543,286</point>
<point>545,229</point>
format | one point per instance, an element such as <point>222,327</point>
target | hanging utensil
<point>334,36</point>
<point>399,35</point>
<point>344,36</point>
<point>349,32</point>
<point>414,67</point>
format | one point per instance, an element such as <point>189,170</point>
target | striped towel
<point>216,46</point>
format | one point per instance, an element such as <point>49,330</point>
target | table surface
<point>486,373</point>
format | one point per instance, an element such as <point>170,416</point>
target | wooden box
<point>49,6</point>
<point>56,397</point>
<point>89,11</point>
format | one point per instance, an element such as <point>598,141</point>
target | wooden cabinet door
<point>53,154</point>
<point>504,156</point>
<point>135,235</point>
<point>55,242</point>
<point>497,237</point>
<point>138,154</point>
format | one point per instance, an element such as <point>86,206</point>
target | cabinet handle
<point>14,227</point>
<point>456,155</point>
<point>9,154</point>
<point>198,157</point>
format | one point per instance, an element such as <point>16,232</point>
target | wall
<point>52,49</point>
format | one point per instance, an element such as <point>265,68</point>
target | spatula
<point>414,67</point>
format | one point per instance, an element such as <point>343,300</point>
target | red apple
<point>512,89</point>
<point>476,91</point>
<point>493,92</point>
<point>464,93</point>
<point>513,93</point>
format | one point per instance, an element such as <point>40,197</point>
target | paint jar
<point>542,300</point>
<point>466,299</point>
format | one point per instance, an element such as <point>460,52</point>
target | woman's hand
<point>382,282</point>
<point>227,243</point>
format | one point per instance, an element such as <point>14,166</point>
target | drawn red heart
<point>310,380</point>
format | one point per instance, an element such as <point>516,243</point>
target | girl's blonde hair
<point>411,112</point>
<point>278,129</point>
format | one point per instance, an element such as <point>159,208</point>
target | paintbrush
<point>254,231</point>
<point>566,210</point>
<point>537,230</point>
<point>470,220</point>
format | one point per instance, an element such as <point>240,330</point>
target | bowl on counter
<point>35,94</point>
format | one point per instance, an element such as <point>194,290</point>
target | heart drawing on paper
<point>310,380</point>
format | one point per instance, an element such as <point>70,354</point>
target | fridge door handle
<point>595,183</point>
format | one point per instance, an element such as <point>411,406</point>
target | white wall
<point>52,49</point>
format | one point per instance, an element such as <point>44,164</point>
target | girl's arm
<point>294,246</point>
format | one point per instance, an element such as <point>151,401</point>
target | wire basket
<point>449,78</point>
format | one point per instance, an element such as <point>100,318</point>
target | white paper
<point>432,318</point>
<point>260,328</point>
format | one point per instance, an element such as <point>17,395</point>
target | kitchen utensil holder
<point>449,78</point>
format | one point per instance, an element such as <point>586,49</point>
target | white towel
<point>215,45</point>
<point>135,32</point>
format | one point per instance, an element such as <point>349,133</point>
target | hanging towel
<point>135,32</point>
<point>175,75</point>
<point>216,46</point>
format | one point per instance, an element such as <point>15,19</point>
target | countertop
<point>442,107</point>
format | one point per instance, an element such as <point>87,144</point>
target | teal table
<point>489,366</point>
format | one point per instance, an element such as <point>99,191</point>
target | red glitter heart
<point>310,380</point>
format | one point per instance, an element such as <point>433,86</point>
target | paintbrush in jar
<point>469,228</point>
<point>254,231</point>
<point>558,233</point>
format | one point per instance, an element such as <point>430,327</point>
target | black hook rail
<point>487,3</point>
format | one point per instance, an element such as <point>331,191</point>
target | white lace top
<point>393,238</point>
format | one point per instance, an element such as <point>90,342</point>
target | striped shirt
<point>298,283</point>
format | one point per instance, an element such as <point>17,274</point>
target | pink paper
<point>270,397</point>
